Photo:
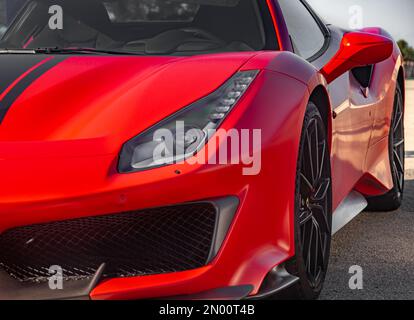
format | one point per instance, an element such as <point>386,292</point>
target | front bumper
<point>277,280</point>
<point>81,290</point>
<point>258,239</point>
<point>149,242</point>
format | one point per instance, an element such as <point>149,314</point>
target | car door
<point>353,112</point>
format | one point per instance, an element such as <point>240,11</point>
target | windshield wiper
<point>16,51</point>
<point>58,50</point>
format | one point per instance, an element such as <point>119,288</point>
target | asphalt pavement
<point>382,244</point>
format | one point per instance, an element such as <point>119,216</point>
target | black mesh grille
<point>146,242</point>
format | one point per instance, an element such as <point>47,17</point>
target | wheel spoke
<point>303,235</point>
<point>397,124</point>
<point>305,216</point>
<point>322,191</point>
<point>307,182</point>
<point>399,163</point>
<point>322,248</point>
<point>398,143</point>
<point>399,176</point>
<point>316,245</point>
<point>394,166</point>
<point>310,157</point>
<point>309,255</point>
<point>316,150</point>
<point>321,169</point>
<point>398,114</point>
<point>319,214</point>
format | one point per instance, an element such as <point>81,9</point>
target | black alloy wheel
<point>397,143</point>
<point>392,200</point>
<point>313,225</point>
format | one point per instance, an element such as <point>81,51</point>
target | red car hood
<point>102,101</point>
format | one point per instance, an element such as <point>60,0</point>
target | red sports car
<point>190,149</point>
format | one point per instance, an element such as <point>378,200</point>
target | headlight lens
<point>184,133</point>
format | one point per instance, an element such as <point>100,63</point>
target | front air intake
<point>147,242</point>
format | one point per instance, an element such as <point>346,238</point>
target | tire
<point>313,210</point>
<point>392,200</point>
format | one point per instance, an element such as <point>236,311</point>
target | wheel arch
<point>293,66</point>
<point>320,97</point>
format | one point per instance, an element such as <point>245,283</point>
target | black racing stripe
<point>13,66</point>
<point>21,86</point>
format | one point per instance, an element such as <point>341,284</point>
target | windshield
<point>146,27</point>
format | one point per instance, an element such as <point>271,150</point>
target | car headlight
<point>186,132</point>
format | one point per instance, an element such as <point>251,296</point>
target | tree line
<point>406,50</point>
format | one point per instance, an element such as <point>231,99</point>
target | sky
<point>395,16</point>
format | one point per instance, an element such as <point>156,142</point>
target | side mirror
<point>358,49</point>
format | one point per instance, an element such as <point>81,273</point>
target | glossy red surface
<point>358,49</point>
<point>60,141</point>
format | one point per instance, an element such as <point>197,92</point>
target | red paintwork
<point>60,142</point>
<point>358,49</point>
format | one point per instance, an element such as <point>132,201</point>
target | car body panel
<point>105,191</point>
<point>59,150</point>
